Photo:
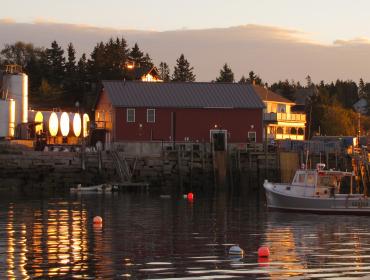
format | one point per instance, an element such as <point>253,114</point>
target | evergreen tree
<point>243,80</point>
<point>71,77</point>
<point>361,88</point>
<point>136,55</point>
<point>285,89</point>
<point>254,79</point>
<point>82,74</point>
<point>71,60</point>
<point>226,75</point>
<point>56,62</point>
<point>164,71</point>
<point>182,71</point>
<point>147,62</point>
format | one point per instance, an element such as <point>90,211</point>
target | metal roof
<point>182,95</point>
<point>268,95</point>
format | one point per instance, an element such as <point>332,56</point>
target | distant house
<point>281,122</point>
<point>146,74</point>
<point>361,106</point>
<point>179,111</point>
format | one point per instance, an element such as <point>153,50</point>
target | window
<point>150,115</point>
<point>300,131</point>
<point>281,108</point>
<point>130,115</point>
<point>293,130</point>
<point>279,130</point>
<point>252,136</point>
<point>310,180</point>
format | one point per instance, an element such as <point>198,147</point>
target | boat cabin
<point>320,182</point>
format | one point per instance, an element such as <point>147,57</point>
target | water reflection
<point>49,241</point>
<point>144,236</point>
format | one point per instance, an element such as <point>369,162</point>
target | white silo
<point>17,85</point>
<point>7,117</point>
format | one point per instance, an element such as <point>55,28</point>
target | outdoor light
<point>64,124</point>
<point>53,124</point>
<point>77,125</point>
<point>86,121</point>
<point>39,118</point>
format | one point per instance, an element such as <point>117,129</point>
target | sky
<point>321,20</point>
<point>277,39</point>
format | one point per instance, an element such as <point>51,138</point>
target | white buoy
<point>236,250</point>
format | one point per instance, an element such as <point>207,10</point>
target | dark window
<point>252,136</point>
<point>300,131</point>
<point>150,115</point>
<point>130,115</point>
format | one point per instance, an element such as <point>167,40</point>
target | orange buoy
<point>190,196</point>
<point>97,220</point>
<point>263,252</point>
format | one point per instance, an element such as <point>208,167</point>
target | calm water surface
<point>146,236</point>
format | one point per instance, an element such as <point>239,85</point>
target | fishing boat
<point>318,190</point>
<point>102,188</point>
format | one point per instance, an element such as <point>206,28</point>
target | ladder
<point>123,169</point>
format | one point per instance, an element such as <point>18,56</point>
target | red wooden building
<point>177,111</point>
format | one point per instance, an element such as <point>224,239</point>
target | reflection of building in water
<point>53,244</point>
<point>283,249</point>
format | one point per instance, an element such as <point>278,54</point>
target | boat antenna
<point>307,153</point>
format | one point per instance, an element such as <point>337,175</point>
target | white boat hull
<point>280,196</point>
<point>98,188</point>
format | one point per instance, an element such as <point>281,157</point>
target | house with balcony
<point>279,120</point>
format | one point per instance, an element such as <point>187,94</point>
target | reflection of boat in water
<point>102,188</point>
<point>317,191</point>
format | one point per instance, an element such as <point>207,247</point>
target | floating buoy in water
<point>263,252</point>
<point>263,262</point>
<point>236,250</point>
<point>190,196</point>
<point>97,220</point>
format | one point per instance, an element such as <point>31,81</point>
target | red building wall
<point>194,124</point>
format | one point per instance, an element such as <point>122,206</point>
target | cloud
<point>7,20</point>
<point>272,52</point>
<point>353,42</point>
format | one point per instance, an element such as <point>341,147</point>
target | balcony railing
<point>291,117</point>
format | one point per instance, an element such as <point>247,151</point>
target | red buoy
<point>97,220</point>
<point>190,196</point>
<point>263,252</point>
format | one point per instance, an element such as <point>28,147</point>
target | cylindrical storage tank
<point>12,112</point>
<point>4,118</point>
<point>17,86</point>
<point>77,125</point>
<point>85,126</point>
<point>53,124</point>
<point>64,124</point>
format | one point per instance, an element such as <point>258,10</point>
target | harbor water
<point>154,236</point>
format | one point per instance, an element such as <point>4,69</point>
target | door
<point>218,138</point>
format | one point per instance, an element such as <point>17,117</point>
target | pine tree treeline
<point>54,72</point>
